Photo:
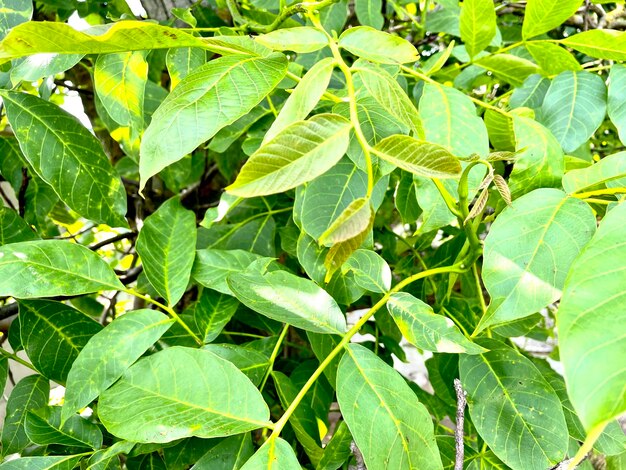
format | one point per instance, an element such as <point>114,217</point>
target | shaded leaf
<point>230,454</point>
<point>369,13</point>
<point>13,228</point>
<point>212,312</point>
<point>43,427</point>
<point>211,267</point>
<point>182,61</point>
<point>252,363</point>
<point>14,12</point>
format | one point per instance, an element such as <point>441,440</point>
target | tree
<point>254,183</point>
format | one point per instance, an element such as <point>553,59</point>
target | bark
<point>161,9</point>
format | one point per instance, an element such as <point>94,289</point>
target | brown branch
<point>461,401</point>
<point>108,241</point>
<point>21,195</point>
<point>358,456</point>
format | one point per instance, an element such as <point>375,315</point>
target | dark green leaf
<point>43,427</point>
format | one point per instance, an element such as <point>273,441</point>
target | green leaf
<point>600,43</point>
<point>68,157</point>
<point>427,330</point>
<point>212,312</point>
<point>540,162</point>
<point>252,363</point>
<point>183,61</point>
<point>61,333</point>
<point>514,409</point>
<point>338,450</point>
<point>593,354</point>
<point>386,91</point>
<point>542,16</point>
<point>418,157</point>
<point>43,427</point>
<point>14,12</point>
<point>552,58</point>
<point>478,25</point>
<point>377,46</point>
<point>369,13</point>
<point>508,67</point>
<point>167,246</point>
<point>574,107</point>
<point>101,459</point>
<point>123,36</point>
<point>531,94</point>
<point>389,425</point>
<point>120,81</point>
<point>352,221</point>
<point>275,454</point>
<point>301,40</point>
<point>525,276</point>
<point>108,354</point>
<point>13,228</point>
<point>59,267</point>
<point>181,392</point>
<point>617,99</point>
<point>30,393</point>
<point>4,373</point>
<point>371,271</point>
<point>212,267</point>
<point>229,454</point>
<point>43,463</point>
<point>604,173</point>
<point>34,67</point>
<point>290,299</point>
<point>298,153</point>
<point>304,97</point>
<point>205,101</point>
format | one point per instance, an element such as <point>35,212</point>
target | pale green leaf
<point>418,157</point>
<point>109,353</point>
<point>30,393</point>
<point>617,99</point>
<point>167,246</point>
<point>43,463</point>
<point>526,275</point>
<point>252,363</point>
<point>540,162</point>
<point>68,157</point>
<point>229,454</point>
<point>369,13</point>
<point>514,409</point>
<point>43,427</point>
<point>423,328</point>
<point>542,16</point>
<point>275,454</point>
<point>102,459</point>
<point>182,61</point>
<point>212,312</point>
<point>552,58</point>
<point>386,91</point>
<point>13,228</point>
<point>391,428</point>
<point>377,46</point>
<point>600,43</point>
<point>212,267</point>
<point>181,392</point>
<point>371,271</point>
<point>123,36</point>
<point>574,107</point>
<point>120,81</point>
<point>301,40</point>
<point>298,153</point>
<point>304,97</point>
<point>62,332</point>
<point>604,173</point>
<point>205,101</point>
<point>352,221</point>
<point>14,12</point>
<point>338,450</point>
<point>34,67</point>
<point>531,93</point>
<point>593,354</point>
<point>500,129</point>
<point>290,299</point>
<point>508,67</point>
<point>478,24</point>
<point>47,268</point>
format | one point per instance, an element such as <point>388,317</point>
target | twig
<point>21,195</point>
<point>358,456</point>
<point>108,241</point>
<point>461,401</point>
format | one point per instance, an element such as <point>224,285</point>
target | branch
<point>108,241</point>
<point>358,456</point>
<point>461,401</point>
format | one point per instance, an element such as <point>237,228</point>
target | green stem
<point>479,289</point>
<point>592,437</point>
<point>274,355</point>
<point>447,197</point>
<point>280,424</point>
<point>167,309</point>
<point>17,359</point>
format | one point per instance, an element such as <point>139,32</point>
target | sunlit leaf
<point>477,24</point>
<point>300,40</point>
<point>384,48</point>
<point>543,15</point>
